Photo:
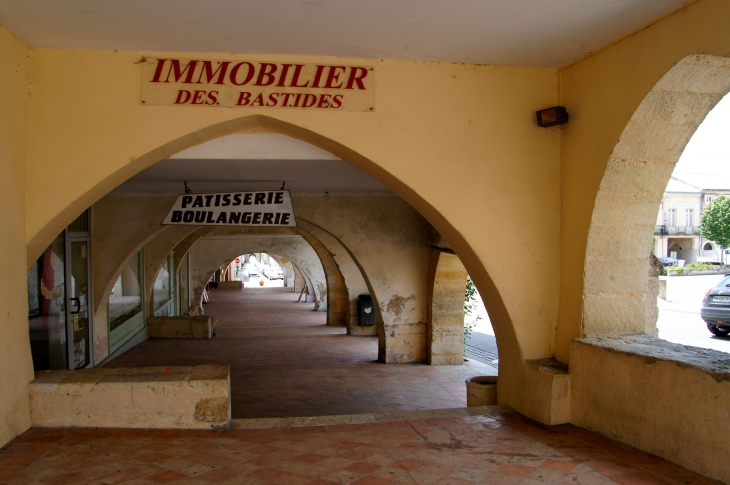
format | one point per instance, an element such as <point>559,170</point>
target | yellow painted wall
<point>16,368</point>
<point>459,142</point>
<point>601,94</point>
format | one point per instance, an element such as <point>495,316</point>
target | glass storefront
<point>59,316</point>
<point>164,289</point>
<point>126,303</point>
<point>78,305</point>
<point>47,307</point>
<point>126,298</point>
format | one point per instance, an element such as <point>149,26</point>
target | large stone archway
<point>266,124</point>
<point>631,190</point>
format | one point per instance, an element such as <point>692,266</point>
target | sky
<point>708,152</point>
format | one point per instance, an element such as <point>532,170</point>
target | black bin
<point>365,311</point>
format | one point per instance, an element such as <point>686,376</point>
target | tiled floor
<point>500,449</point>
<point>286,362</point>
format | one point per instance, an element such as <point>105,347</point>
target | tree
<point>715,223</point>
<point>470,304</point>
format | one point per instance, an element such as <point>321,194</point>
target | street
<point>679,316</point>
<point>679,319</point>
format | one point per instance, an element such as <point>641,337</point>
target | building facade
<point>677,231</point>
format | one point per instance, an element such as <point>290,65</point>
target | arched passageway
<point>347,243</point>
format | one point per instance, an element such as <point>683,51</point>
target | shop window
<point>126,303</point>
<point>47,308</point>
<point>164,290</point>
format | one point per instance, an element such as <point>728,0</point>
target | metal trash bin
<point>365,311</point>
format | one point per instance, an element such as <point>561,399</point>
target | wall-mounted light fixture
<point>552,116</point>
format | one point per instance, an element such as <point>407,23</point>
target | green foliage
<point>470,297</point>
<point>699,266</point>
<point>715,221</point>
<point>470,304</point>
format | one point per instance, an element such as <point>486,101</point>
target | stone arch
<point>709,246</point>
<point>632,187</point>
<point>338,308</point>
<point>518,350</point>
<point>446,289</point>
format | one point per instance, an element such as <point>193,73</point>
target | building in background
<point>677,231</point>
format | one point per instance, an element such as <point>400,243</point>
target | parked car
<point>276,274</point>
<point>669,261</point>
<point>252,270</point>
<point>716,308</point>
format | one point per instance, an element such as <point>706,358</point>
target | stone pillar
<point>652,310</point>
<point>447,286</point>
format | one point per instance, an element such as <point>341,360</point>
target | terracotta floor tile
<point>512,469</point>
<point>265,474</point>
<point>370,480</point>
<point>310,458</point>
<point>408,464</point>
<point>162,433</point>
<point>8,473</point>
<point>64,478</point>
<point>561,465</point>
<point>166,477</point>
<point>362,467</point>
<point>20,459</point>
<point>198,433</point>
<point>308,430</point>
<point>639,479</point>
<point>452,481</point>
<point>498,478</point>
<point>218,475</point>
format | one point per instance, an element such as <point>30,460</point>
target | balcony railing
<point>665,230</point>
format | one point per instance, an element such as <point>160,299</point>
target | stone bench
<point>230,284</point>
<point>191,397</point>
<point>668,399</point>
<point>200,326</point>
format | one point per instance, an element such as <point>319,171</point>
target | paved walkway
<point>498,449</point>
<point>286,362</point>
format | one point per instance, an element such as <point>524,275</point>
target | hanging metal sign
<point>271,208</point>
<point>243,84</point>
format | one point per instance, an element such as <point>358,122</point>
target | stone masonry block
<point>138,397</point>
<point>653,142</point>
<point>634,177</point>
<point>619,243</point>
<point>696,78</point>
<point>608,276</point>
<point>614,313</point>
<point>676,107</point>
<point>619,207</point>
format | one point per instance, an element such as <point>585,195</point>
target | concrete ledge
<point>230,284</point>
<point>667,399</point>
<point>263,423</point>
<point>181,327</point>
<point>196,397</point>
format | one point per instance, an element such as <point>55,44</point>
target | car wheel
<point>720,332</point>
